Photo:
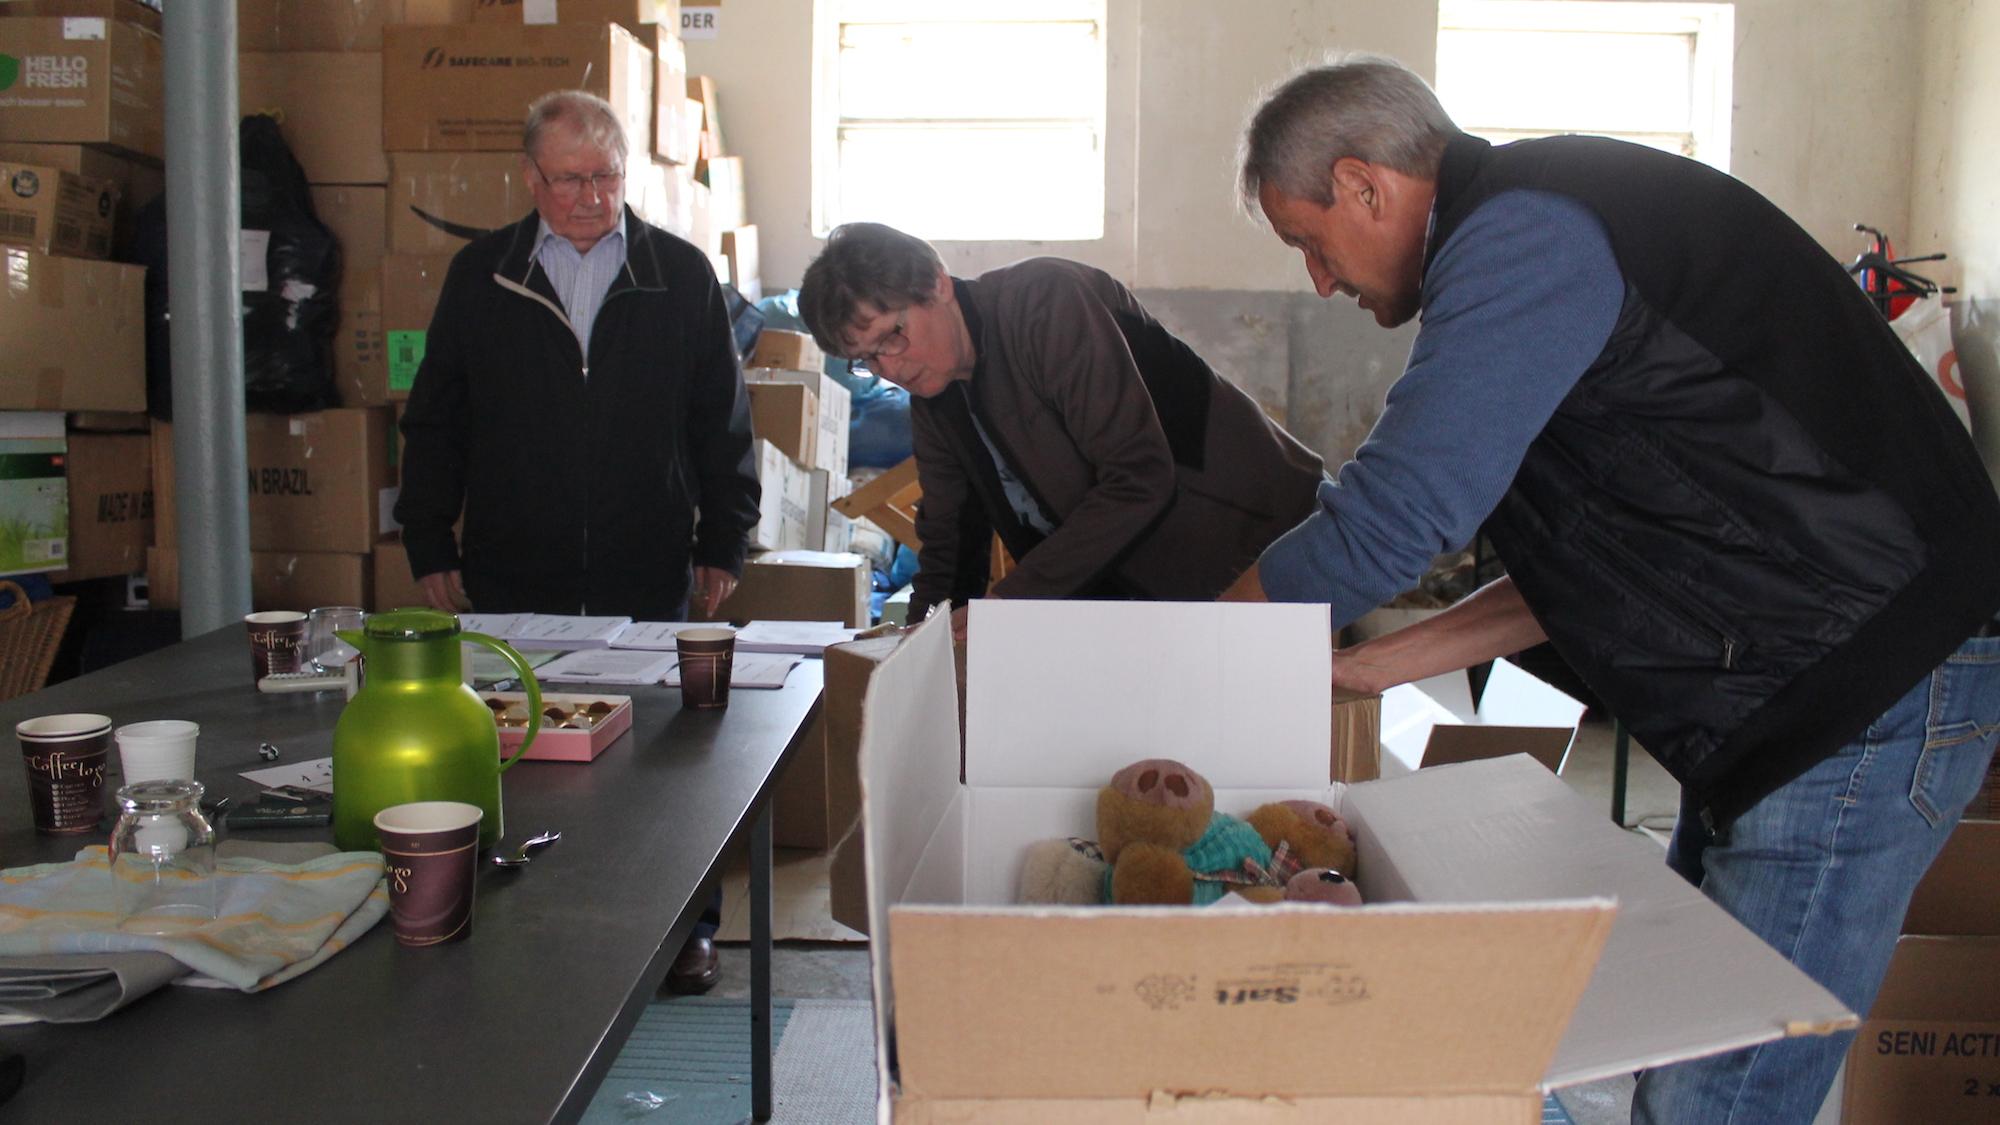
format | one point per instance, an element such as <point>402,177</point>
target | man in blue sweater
<point>1722,488</point>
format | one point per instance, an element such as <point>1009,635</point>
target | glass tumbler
<point>163,858</point>
<point>326,652</point>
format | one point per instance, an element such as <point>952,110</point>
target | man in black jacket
<point>580,405</point>
<point>1722,488</point>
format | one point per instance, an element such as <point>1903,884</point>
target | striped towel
<point>274,920</point>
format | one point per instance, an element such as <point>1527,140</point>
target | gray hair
<point>1360,105</point>
<point>864,263</point>
<point>590,117</point>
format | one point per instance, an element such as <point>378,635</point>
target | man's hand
<point>958,623</point>
<point>445,590</point>
<point>1247,588</point>
<point>712,586</point>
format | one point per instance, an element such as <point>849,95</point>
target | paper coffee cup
<point>277,641</point>
<point>431,850</point>
<point>65,756</point>
<point>706,655</point>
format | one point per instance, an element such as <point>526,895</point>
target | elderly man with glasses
<point>580,407</point>
<point>1051,408</point>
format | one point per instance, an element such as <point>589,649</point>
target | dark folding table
<point>518,1023</point>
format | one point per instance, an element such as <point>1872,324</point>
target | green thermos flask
<point>415,732</point>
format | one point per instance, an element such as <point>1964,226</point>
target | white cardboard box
<point>1471,984</point>
<point>1435,722</point>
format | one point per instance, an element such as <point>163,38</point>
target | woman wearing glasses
<point>1049,407</point>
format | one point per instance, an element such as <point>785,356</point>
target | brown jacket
<point>1162,480</point>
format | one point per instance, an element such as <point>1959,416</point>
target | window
<point>1655,74</point>
<point>976,120</point>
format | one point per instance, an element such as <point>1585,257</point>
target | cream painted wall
<point>1825,93</point>
<point>1955,204</point>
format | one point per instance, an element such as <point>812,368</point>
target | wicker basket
<point>30,633</point>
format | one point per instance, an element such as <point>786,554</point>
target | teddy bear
<point>1311,834</point>
<point>1160,841</point>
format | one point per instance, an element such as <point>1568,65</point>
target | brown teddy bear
<point>1313,834</point>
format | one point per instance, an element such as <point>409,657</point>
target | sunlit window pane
<point>1654,73</point>
<point>984,70</point>
<point>997,182</point>
<point>1571,82</point>
<point>964,121</point>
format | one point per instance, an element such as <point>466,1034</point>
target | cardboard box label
<point>406,354</point>
<point>34,494</point>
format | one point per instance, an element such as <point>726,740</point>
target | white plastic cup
<point>161,750</point>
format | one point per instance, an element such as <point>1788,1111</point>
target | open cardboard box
<point>1516,942</point>
<point>1435,722</point>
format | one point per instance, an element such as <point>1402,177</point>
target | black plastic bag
<point>291,309</point>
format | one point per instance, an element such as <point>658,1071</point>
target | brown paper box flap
<point>1450,745</point>
<point>1960,894</point>
<point>1120,1002</point>
<point>1941,978</point>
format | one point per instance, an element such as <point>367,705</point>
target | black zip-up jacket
<point>581,492</point>
<point>1755,523</point>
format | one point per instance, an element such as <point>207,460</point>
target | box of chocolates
<point>575,728</point>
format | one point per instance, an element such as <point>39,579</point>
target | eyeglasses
<point>895,343</point>
<point>568,187</point>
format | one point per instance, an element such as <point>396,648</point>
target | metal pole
<point>760,965</point>
<point>206,314</point>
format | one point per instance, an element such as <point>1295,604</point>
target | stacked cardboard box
<point>81,137</point>
<point>466,88</point>
<point>138,181</point>
<point>56,211</point>
<point>110,504</point>
<point>85,79</point>
<point>318,485</point>
<point>800,417</point>
<point>1930,1049</point>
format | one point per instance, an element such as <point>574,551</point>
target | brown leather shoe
<point>696,970</point>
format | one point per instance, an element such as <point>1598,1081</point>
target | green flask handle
<point>526,676</point>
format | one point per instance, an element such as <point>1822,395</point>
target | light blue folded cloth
<point>273,920</point>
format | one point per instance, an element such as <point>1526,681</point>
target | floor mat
<point>688,1063</point>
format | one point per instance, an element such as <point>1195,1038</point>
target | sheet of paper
<point>657,635</point>
<point>548,630</point>
<point>607,666</point>
<point>489,669</point>
<point>808,638</point>
<point>750,669</point>
<point>500,625</point>
<point>314,774</point>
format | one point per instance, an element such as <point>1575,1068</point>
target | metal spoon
<point>520,856</point>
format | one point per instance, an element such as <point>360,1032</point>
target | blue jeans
<point>1823,870</point>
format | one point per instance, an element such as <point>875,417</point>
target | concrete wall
<point>1826,91</point>
<point>1955,197</point>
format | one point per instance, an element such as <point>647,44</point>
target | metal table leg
<point>760,965</point>
<point>1621,753</point>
